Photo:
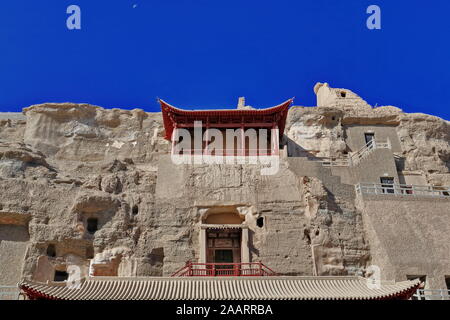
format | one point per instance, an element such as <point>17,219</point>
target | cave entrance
<point>223,236</point>
<point>61,275</point>
<point>223,245</point>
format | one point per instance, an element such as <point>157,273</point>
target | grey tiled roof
<point>220,288</point>
<point>12,116</point>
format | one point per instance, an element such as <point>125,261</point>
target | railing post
<point>206,151</point>
<point>196,269</point>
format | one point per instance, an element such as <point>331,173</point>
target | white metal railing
<point>335,162</point>
<point>331,161</point>
<point>355,158</point>
<point>402,190</point>
<point>9,293</point>
<point>367,149</point>
<point>430,294</point>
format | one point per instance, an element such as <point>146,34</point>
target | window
<point>369,138</point>
<point>92,225</point>
<point>223,256</point>
<point>260,222</point>
<point>135,210</point>
<point>387,184</point>
<point>51,250</point>
<point>61,275</point>
<point>90,252</point>
<point>407,189</point>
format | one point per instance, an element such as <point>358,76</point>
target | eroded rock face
<point>98,188</point>
<point>81,132</point>
<point>18,161</point>
<point>425,143</point>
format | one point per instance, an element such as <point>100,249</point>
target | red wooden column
<point>206,152</point>
<point>174,133</point>
<point>275,139</point>
<point>242,137</point>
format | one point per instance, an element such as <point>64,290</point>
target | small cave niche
<point>307,236</point>
<point>135,210</point>
<point>51,250</point>
<point>343,94</point>
<point>260,222</point>
<point>61,275</point>
<point>90,252</point>
<point>92,225</point>
<point>156,257</point>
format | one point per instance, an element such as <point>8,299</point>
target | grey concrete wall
<point>379,163</point>
<point>12,116</point>
<point>409,236</point>
<point>355,135</point>
<point>408,178</point>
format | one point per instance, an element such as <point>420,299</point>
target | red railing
<point>194,269</point>
<point>229,152</point>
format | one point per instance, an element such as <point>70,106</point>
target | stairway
<point>365,151</point>
<point>303,167</point>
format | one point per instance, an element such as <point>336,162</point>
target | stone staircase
<point>322,169</point>
<point>303,167</point>
<point>365,151</point>
<point>355,158</point>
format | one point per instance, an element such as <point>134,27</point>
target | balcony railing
<point>334,162</point>
<point>403,190</point>
<point>228,152</point>
<point>355,158</point>
<point>429,294</point>
<point>193,269</point>
<point>9,293</point>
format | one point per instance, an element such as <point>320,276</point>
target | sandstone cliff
<point>66,163</point>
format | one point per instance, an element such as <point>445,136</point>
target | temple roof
<point>229,118</point>
<point>221,288</point>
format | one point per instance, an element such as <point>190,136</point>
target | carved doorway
<point>223,245</point>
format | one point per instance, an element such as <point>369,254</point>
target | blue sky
<point>206,53</point>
